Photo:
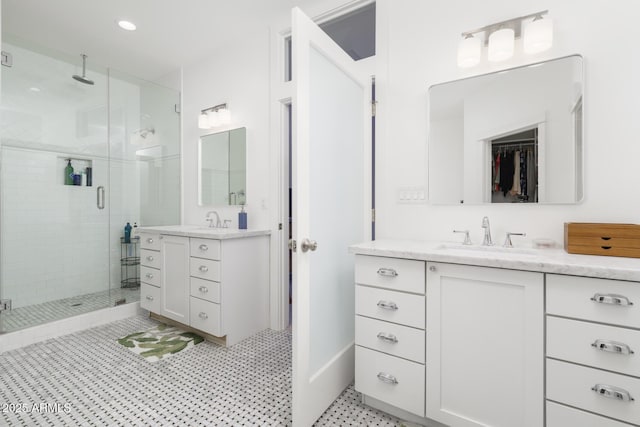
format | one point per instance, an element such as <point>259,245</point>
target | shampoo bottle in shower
<point>127,233</point>
<point>68,173</point>
<point>242,219</point>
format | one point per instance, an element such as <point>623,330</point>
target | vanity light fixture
<point>127,25</point>
<point>215,116</point>
<point>535,29</point>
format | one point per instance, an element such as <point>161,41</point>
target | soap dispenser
<point>127,233</point>
<point>68,173</point>
<point>242,219</point>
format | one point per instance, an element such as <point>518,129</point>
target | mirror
<point>222,168</point>
<point>513,136</point>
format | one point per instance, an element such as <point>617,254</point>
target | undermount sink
<point>487,249</point>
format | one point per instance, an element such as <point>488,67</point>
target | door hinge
<point>374,104</point>
<point>5,305</point>
<point>7,59</point>
<point>373,215</point>
<point>280,226</point>
<point>293,245</point>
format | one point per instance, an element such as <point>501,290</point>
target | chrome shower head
<point>83,78</point>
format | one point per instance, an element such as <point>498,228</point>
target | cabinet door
<point>175,278</point>
<point>485,346</point>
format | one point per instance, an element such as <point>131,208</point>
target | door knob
<point>307,245</point>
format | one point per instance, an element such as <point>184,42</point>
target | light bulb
<point>213,119</point>
<point>469,50</point>
<point>501,45</point>
<point>538,35</point>
<point>203,121</point>
<point>224,116</point>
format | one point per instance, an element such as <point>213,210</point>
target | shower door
<point>54,224</point>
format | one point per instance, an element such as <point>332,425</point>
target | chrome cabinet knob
<point>149,240</point>
<point>203,315</point>
<point>149,297</point>
<point>149,276</point>
<point>203,268</point>
<point>203,247</point>
<point>149,258</point>
<point>432,268</point>
<point>203,289</point>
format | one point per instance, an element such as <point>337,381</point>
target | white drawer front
<point>150,298</point>
<point>150,275</point>
<point>205,269</point>
<point>391,273</point>
<point>205,248</point>
<point>573,340</point>
<point>391,306</point>
<point>572,384</point>
<point>150,258</point>
<point>563,416</point>
<point>205,315</point>
<point>571,296</point>
<point>396,340</point>
<point>150,241</point>
<point>377,374</point>
<point>205,289</point>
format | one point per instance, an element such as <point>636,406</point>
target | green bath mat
<point>160,342</point>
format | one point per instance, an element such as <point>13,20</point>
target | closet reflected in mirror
<point>513,136</point>
<point>222,168</point>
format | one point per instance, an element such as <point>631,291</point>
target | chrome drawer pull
<point>204,268</point>
<point>387,305</point>
<point>203,247</point>
<point>149,297</point>
<point>149,258</point>
<point>203,315</point>
<point>387,378</point>
<point>149,276</point>
<point>388,337</point>
<point>387,272</point>
<point>613,299</point>
<point>203,289</point>
<point>612,347</point>
<point>149,240</point>
<point>612,392</point>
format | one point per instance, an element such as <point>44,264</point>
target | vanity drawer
<point>397,307</point>
<point>150,298</point>
<point>205,315</point>
<point>205,289</point>
<point>150,258</point>
<point>397,340</point>
<point>205,269</point>
<point>391,273</point>
<point>573,340</point>
<point>395,381</point>
<point>205,248</point>
<point>572,385</point>
<point>599,300</point>
<point>563,416</point>
<point>150,275</point>
<point>150,241</point>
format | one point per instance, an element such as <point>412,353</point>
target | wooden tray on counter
<point>602,239</point>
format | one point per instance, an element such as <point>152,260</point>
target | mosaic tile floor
<point>87,378</point>
<point>37,314</point>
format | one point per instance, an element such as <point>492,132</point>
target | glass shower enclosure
<point>78,161</point>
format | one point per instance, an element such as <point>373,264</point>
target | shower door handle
<point>100,197</point>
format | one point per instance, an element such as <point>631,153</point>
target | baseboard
<point>408,418</point>
<point>32,335</point>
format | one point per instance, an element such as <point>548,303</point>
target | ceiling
<point>170,33</point>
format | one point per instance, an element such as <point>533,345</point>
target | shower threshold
<point>38,314</point>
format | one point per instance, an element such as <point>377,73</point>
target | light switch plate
<point>412,195</point>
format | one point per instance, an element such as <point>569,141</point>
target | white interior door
<point>329,207</point>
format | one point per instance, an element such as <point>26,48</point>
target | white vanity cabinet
<point>150,271</point>
<point>593,351</point>
<point>390,321</point>
<point>485,358</point>
<point>217,286</point>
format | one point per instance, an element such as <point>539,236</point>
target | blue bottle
<point>127,233</point>
<point>242,219</point>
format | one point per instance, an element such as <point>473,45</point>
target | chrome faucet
<point>507,241</point>
<point>211,224</point>
<point>486,241</point>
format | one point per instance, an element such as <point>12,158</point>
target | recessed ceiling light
<point>34,89</point>
<point>127,25</point>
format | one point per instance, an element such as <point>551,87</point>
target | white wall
<point>417,45</point>
<point>238,76</point>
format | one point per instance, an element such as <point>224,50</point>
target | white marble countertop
<point>529,259</point>
<point>203,231</point>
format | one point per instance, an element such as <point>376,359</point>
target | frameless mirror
<point>513,136</point>
<point>222,168</point>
